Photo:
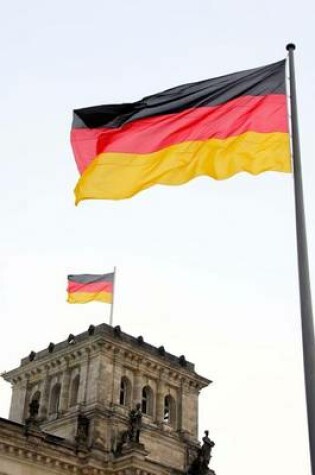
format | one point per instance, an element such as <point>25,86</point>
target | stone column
<point>160,394</point>
<point>44,400</point>
<point>93,379</point>
<point>65,386</point>
<point>105,380</point>
<point>137,388</point>
<point>179,409</point>
<point>183,407</point>
<point>117,374</point>
<point>27,401</point>
<point>17,408</point>
<point>197,411</point>
<point>84,370</point>
<point>188,410</point>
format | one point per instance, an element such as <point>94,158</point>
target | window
<point>147,400</point>
<point>125,391</point>
<point>55,399</point>
<point>169,410</point>
<point>74,390</point>
<point>36,396</point>
<point>33,406</point>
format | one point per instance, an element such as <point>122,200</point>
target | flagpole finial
<point>290,46</point>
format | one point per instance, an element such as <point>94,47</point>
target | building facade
<point>72,405</point>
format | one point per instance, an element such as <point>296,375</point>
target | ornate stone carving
<point>82,434</point>
<point>32,422</point>
<point>200,465</point>
<point>135,420</point>
<point>130,439</point>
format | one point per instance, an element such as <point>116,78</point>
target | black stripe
<point>89,278</point>
<point>211,92</point>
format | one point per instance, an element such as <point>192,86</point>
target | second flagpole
<point>113,297</point>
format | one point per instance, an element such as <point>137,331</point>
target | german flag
<point>84,288</point>
<point>217,127</point>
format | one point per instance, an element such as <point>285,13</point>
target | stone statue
<point>200,465</point>
<point>119,442</point>
<point>82,430</point>
<point>32,422</point>
<point>135,419</point>
<point>206,448</point>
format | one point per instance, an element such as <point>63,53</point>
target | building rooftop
<point>112,333</point>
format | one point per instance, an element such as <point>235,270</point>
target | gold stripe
<point>85,297</point>
<point>122,175</point>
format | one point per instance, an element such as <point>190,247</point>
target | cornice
<point>130,352</point>
<point>36,456</point>
<point>154,367</point>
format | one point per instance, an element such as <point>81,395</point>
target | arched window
<point>36,396</point>
<point>147,400</point>
<point>55,399</point>
<point>169,410</point>
<point>74,390</point>
<point>33,406</point>
<point>125,391</point>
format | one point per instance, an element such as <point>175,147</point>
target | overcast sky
<point>207,269</point>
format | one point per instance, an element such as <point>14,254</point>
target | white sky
<point>207,269</point>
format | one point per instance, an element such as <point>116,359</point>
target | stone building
<point>71,409</point>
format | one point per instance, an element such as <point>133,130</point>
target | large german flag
<point>217,127</point>
<point>85,288</point>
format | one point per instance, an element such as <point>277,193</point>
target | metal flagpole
<point>113,297</point>
<point>303,267</point>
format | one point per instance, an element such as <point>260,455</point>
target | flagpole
<point>303,266</point>
<point>113,297</point>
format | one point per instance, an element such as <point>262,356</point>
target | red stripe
<point>93,287</point>
<point>262,114</point>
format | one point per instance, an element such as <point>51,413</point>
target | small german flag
<point>84,288</point>
<point>217,127</point>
